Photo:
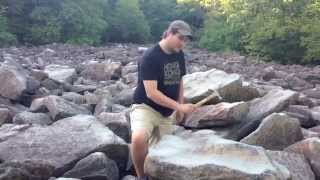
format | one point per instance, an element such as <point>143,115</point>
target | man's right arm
<point>158,97</point>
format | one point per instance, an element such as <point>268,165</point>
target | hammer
<point>213,93</point>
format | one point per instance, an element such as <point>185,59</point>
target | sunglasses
<point>183,38</point>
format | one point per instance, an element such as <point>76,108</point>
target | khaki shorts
<point>145,117</point>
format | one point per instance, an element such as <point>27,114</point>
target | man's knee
<point>139,137</point>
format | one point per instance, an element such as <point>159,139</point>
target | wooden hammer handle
<point>206,99</point>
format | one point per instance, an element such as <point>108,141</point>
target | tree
<point>6,38</point>
<point>129,23</point>
<point>280,30</point>
<point>310,30</point>
<point>158,15</point>
<point>46,27</point>
<point>83,22</point>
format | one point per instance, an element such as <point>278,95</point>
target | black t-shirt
<point>166,69</point>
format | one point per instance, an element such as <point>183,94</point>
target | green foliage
<point>158,15</point>
<point>46,27</point>
<point>219,35</point>
<point>83,22</point>
<point>6,38</point>
<point>129,23</point>
<point>286,31</point>
<point>17,17</point>
<point>311,38</point>
<point>283,30</point>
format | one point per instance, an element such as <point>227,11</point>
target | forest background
<point>285,31</point>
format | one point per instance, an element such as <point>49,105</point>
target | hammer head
<point>214,93</point>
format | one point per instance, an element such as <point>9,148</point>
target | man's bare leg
<point>139,150</point>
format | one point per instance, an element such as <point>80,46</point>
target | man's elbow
<point>151,95</point>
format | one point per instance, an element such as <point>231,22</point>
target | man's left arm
<point>180,115</point>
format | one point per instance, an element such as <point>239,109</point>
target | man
<point>159,92</point>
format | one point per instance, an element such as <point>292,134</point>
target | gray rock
<point>274,101</point>
<point>91,98</point>
<point>202,155</point>
<point>60,108</point>
<point>315,114</point>
<point>315,129</point>
<point>125,97</point>
<point>221,114</point>
<point>60,73</point>
<point>25,171</point>
<point>74,97</point>
<point>38,105</point>
<point>117,122</point>
<point>297,83</point>
<point>129,177</point>
<point>305,101</point>
<point>64,143</point>
<point>94,166</point>
<point>116,108</point>
<point>268,73</point>
<point>13,82</point>
<point>102,71</point>
<point>104,105</point>
<point>61,178</point>
<point>10,130</point>
<point>303,114</point>
<point>198,85</point>
<point>313,93</point>
<point>51,84</point>
<point>39,74</point>
<point>130,68</point>
<point>276,132</point>
<point>32,118</point>
<point>79,88</point>
<point>297,164</point>
<point>310,148</point>
<point>308,133</point>
<point>131,78</point>
<point>5,116</point>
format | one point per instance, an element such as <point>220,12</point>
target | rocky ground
<point>64,114</point>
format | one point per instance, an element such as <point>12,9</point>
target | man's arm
<point>158,97</point>
<point>180,115</point>
<point>181,95</point>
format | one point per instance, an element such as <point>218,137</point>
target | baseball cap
<point>182,27</point>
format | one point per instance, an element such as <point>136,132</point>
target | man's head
<point>177,35</point>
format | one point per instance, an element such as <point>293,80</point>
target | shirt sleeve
<point>149,68</point>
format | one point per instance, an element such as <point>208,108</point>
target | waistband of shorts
<point>145,106</point>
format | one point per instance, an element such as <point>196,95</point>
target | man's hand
<point>186,108</point>
<point>179,117</point>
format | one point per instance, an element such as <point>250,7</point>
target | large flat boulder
<point>198,85</point>
<point>202,155</point>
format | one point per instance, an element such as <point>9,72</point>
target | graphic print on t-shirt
<point>171,73</point>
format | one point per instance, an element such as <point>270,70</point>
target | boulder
<point>202,155</point>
